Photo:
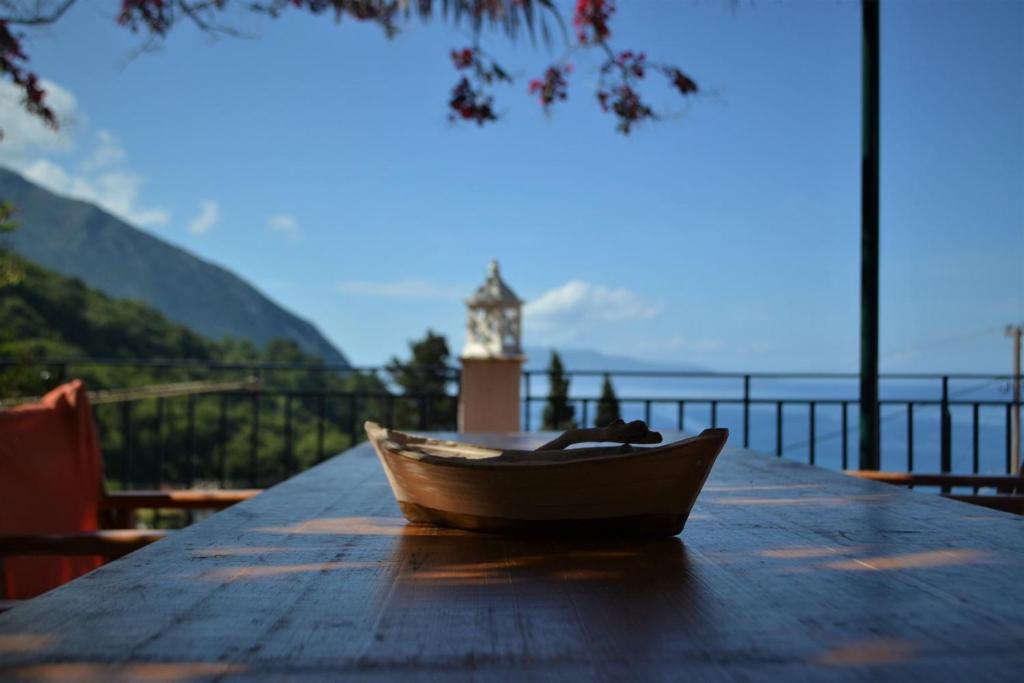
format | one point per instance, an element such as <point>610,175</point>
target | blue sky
<point>316,161</point>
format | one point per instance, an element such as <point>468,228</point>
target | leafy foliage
<point>469,100</point>
<point>558,412</point>
<point>425,374</point>
<point>607,404</point>
<point>301,414</point>
<point>10,271</point>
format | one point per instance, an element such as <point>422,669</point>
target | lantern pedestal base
<point>489,395</point>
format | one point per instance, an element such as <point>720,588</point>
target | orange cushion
<point>51,480</point>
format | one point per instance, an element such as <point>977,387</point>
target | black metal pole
<point>869,456</point>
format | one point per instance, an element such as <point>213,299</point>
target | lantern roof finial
<point>494,291</point>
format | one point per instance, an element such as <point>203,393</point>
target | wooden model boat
<point>618,490</point>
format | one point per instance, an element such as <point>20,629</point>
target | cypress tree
<point>607,405</point>
<point>558,413</point>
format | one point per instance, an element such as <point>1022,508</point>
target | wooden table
<point>784,571</point>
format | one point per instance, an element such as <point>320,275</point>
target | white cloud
<point>401,289</point>
<point>47,174</point>
<point>283,222</point>
<point>25,132</point>
<point>115,191</point>
<point>108,152</point>
<point>209,214</point>
<point>567,313</point>
<point>585,301</point>
<point>100,175</point>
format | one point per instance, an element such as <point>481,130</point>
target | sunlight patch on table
<point>805,553</point>
<point>825,501</point>
<point>868,653</point>
<point>360,526</point>
<point>20,643</point>
<point>168,672</point>
<point>270,571</point>
<point>919,560</point>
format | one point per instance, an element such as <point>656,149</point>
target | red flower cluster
<point>469,104</point>
<point>626,104</point>
<point>469,100</point>
<point>155,15</point>
<point>34,95</point>
<point>591,20</point>
<point>553,86</point>
<point>683,83</point>
<point>382,12</point>
<point>631,62</point>
<point>464,58</point>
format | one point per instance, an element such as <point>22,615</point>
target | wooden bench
<point>1009,496</point>
<point>52,471</point>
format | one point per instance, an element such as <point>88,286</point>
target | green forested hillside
<point>44,314</point>
<point>240,438</point>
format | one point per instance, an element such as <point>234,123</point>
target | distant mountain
<point>81,240</point>
<point>588,360</point>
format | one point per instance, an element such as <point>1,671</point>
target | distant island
<point>587,360</point>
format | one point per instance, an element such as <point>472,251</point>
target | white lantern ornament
<point>492,358</point>
<point>494,323</point>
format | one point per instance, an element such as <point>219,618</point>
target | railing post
<point>254,440</point>
<point>812,437</point>
<point>353,407</point>
<point>527,400</point>
<point>974,439</point>
<point>222,438</point>
<point>746,411</point>
<point>190,465</point>
<point>846,437</point>
<point>869,425</point>
<point>1009,439</point>
<point>910,436</point>
<point>159,463</point>
<point>126,434</point>
<point>289,459</point>
<point>158,470</point>
<point>945,449</point>
<point>321,417</point>
<point>778,428</point>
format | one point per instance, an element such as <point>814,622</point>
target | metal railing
<point>254,424</point>
<point>235,449</point>
<point>229,425</point>
<point>909,410</point>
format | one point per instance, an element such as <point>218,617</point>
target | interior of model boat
<point>453,452</point>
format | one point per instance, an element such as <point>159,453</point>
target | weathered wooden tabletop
<point>783,571</point>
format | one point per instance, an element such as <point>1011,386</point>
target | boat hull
<point>655,526</point>
<point>648,492</point>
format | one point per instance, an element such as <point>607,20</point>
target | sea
<point>992,420</point>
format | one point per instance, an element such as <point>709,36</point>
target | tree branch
<point>617,432</point>
<point>40,20</point>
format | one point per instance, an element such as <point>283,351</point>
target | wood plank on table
<point>784,571</point>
